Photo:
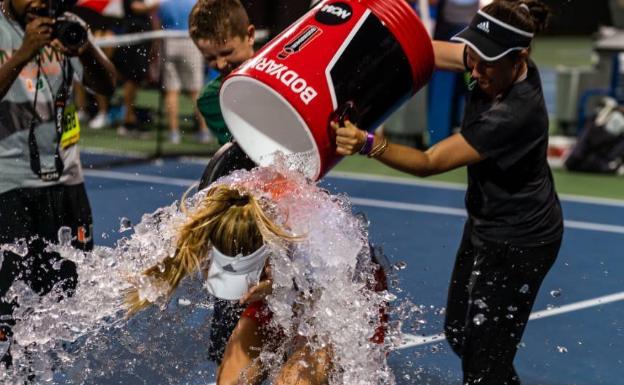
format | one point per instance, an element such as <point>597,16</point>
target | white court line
<point>136,177</point>
<point>414,207</point>
<point>462,213</point>
<point>461,187</point>
<point>413,341</point>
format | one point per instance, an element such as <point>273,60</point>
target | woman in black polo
<point>514,227</point>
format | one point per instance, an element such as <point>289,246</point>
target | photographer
<point>42,194</point>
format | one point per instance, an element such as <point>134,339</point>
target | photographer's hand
<point>38,34</point>
<point>73,51</point>
<point>70,52</point>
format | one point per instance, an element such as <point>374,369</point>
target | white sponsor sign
<point>288,77</point>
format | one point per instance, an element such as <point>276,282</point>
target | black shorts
<point>35,215</point>
<point>133,61</point>
<point>96,21</point>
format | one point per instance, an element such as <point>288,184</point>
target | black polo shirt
<point>511,195</point>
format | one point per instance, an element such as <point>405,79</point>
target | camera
<point>70,33</point>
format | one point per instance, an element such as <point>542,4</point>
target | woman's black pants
<point>491,294</point>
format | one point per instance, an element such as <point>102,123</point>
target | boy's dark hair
<point>218,20</point>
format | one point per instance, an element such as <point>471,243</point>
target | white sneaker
<point>82,116</point>
<point>205,137</point>
<point>174,137</point>
<point>99,121</point>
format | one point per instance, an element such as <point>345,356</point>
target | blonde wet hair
<point>227,218</point>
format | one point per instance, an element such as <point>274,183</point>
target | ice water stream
<point>320,296</point>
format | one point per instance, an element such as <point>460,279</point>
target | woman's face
<point>494,77</point>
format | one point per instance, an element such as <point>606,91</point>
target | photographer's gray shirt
<point>17,111</point>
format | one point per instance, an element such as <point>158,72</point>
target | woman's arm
<point>449,56</point>
<point>451,153</point>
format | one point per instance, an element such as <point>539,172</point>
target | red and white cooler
<point>359,58</point>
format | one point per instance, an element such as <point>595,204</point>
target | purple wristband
<point>368,145</point>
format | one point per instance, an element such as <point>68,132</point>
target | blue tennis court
<point>577,332</point>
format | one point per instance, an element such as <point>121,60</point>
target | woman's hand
<point>258,292</point>
<point>349,139</point>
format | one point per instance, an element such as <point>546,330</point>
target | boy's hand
<point>349,139</point>
<point>258,292</point>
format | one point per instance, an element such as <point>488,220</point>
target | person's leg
<point>503,288</point>
<point>172,76</point>
<point>458,295</point>
<point>56,207</point>
<point>240,364</point>
<point>191,75</point>
<point>100,120</point>
<point>13,204</point>
<point>101,117</point>
<point>130,89</point>
<point>172,107</point>
<point>203,127</point>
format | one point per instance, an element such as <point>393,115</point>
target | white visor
<point>230,277</point>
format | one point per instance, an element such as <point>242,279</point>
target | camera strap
<point>60,101</point>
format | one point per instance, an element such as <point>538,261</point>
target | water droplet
<point>401,265</point>
<point>512,308</point>
<point>20,248</point>
<point>555,293</point>
<point>64,235</point>
<point>562,349</point>
<point>480,304</point>
<point>390,297</point>
<point>124,224</point>
<point>479,319</point>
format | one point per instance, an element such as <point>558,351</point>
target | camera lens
<point>71,34</point>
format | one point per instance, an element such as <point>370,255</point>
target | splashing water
<point>324,278</point>
<point>322,295</point>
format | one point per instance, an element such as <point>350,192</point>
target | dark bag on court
<point>600,148</point>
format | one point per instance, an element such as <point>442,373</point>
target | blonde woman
<point>230,229</point>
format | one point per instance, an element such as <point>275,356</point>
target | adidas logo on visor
<point>484,26</point>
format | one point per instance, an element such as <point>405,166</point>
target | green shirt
<point>208,105</point>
